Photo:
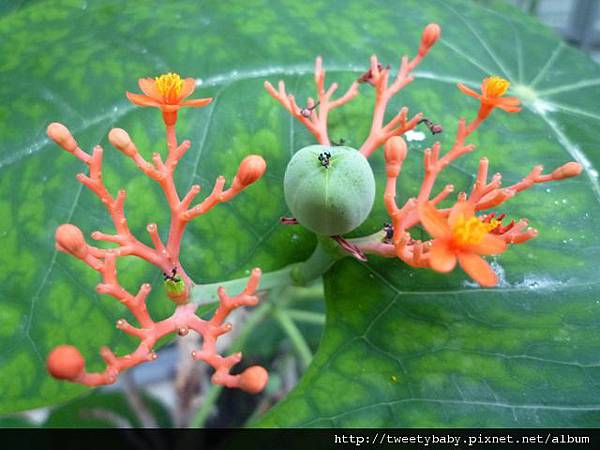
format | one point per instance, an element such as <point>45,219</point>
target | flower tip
<point>394,152</point>
<point>430,36</point>
<point>253,379</point>
<point>120,139</point>
<point>251,169</point>
<point>69,239</point>
<point>62,136</point>
<point>570,169</point>
<point>65,362</point>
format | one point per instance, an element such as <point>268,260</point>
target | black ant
<point>306,112</point>
<point>339,143</point>
<point>389,232</point>
<point>435,128</point>
<point>324,158</point>
<point>173,277</point>
<point>367,77</point>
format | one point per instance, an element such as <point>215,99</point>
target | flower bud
<point>65,362</point>
<point>570,169</point>
<point>430,35</point>
<point>121,141</point>
<point>69,239</point>
<point>253,379</point>
<point>395,152</point>
<point>62,136</point>
<point>251,169</point>
<point>177,290</point>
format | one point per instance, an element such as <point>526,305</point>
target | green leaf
<point>409,347</point>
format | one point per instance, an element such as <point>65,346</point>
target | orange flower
<point>492,90</point>
<point>167,92</point>
<point>463,237</point>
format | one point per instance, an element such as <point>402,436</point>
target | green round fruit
<point>329,190</point>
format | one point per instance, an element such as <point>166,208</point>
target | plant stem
<point>326,253</point>
<point>295,336</point>
<point>310,317</point>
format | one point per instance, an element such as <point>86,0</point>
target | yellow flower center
<point>169,85</point>
<point>472,231</point>
<point>495,86</point>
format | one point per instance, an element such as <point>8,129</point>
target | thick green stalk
<point>326,253</point>
<point>294,334</point>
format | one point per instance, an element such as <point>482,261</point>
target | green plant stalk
<point>295,336</point>
<point>326,253</point>
<point>313,318</point>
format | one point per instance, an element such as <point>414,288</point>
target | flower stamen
<point>471,231</point>
<point>169,85</point>
<point>495,86</point>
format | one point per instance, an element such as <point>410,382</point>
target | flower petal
<point>489,245</point>
<point>189,84</point>
<point>441,256</point>
<point>197,102</point>
<point>433,221</point>
<point>478,269</point>
<point>508,108</point>
<point>468,91</point>
<point>511,101</point>
<point>148,87</point>
<point>463,209</point>
<point>142,100</point>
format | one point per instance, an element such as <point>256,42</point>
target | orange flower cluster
<point>168,93</point>
<point>458,234</point>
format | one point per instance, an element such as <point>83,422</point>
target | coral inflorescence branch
<point>457,233</point>
<point>314,115</point>
<point>65,362</point>
<point>378,76</point>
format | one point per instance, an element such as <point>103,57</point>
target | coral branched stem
<point>378,76</point>
<point>182,321</point>
<point>167,92</point>
<point>314,116</point>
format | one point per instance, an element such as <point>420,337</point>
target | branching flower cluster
<point>457,233</point>
<point>168,93</point>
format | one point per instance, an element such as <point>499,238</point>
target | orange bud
<point>65,362</point>
<point>570,169</point>
<point>394,152</point>
<point>430,35</point>
<point>62,136</point>
<point>121,141</point>
<point>251,169</point>
<point>253,379</point>
<point>69,239</point>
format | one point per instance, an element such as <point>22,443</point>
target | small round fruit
<point>329,190</point>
